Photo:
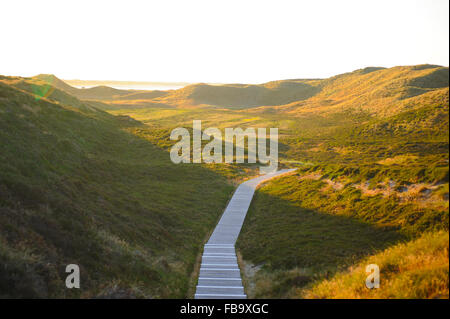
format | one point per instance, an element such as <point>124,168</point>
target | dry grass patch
<point>417,269</point>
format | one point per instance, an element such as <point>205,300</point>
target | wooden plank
<point>220,276</point>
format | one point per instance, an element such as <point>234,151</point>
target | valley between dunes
<point>86,178</point>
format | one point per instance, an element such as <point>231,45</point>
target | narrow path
<point>220,277</point>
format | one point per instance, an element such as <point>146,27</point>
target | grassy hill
<point>240,95</point>
<point>373,91</point>
<point>371,146</point>
<point>414,270</point>
<point>100,92</point>
<point>310,226</point>
<point>381,92</point>
<point>375,185</point>
<point>228,95</point>
<point>76,187</point>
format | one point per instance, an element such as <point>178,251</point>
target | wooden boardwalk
<point>220,277</point>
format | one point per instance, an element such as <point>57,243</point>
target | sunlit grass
<point>417,269</point>
<point>78,184</point>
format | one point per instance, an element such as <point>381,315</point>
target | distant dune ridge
<point>373,89</point>
<point>101,92</point>
<point>92,83</point>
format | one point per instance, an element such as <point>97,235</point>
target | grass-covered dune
<point>226,95</point>
<point>372,148</point>
<point>76,187</point>
<point>306,233</point>
<point>372,90</point>
<point>240,95</point>
<point>417,269</point>
<point>377,91</point>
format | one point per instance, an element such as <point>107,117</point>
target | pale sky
<point>218,41</point>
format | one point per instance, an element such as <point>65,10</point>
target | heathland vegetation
<point>86,177</point>
<point>76,187</point>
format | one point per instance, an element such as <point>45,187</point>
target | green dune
<point>85,177</point>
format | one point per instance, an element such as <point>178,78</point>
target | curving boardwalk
<point>220,277</point>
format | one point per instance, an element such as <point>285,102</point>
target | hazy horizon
<point>219,42</point>
<point>94,82</point>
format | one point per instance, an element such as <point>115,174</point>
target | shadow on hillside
<point>282,236</point>
<point>297,246</point>
<point>76,188</point>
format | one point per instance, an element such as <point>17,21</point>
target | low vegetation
<point>304,228</point>
<point>417,269</point>
<point>75,187</point>
<point>79,185</point>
